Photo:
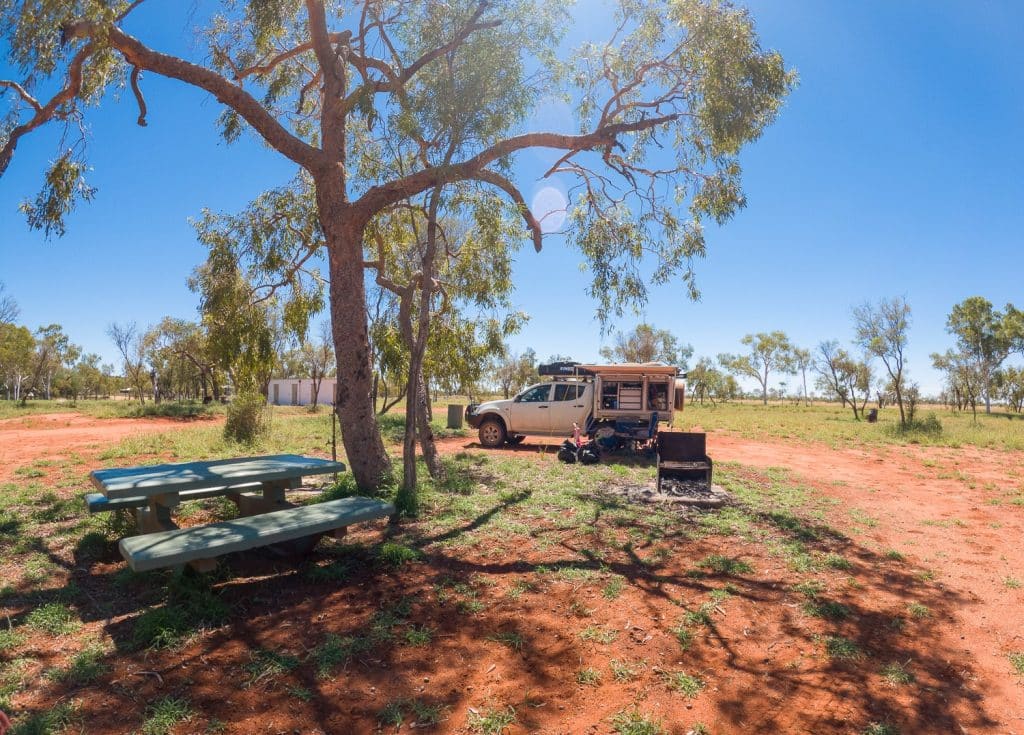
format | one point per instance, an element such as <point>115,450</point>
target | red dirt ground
<point>55,436</point>
<point>946,510</point>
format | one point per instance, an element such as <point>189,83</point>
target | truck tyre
<point>516,439</point>
<point>492,433</point>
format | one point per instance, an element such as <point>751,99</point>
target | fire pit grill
<point>683,456</point>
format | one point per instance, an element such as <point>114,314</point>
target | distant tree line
<point>872,368</point>
<point>44,363</point>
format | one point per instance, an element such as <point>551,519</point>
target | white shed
<point>299,392</point>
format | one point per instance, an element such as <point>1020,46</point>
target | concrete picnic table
<point>257,485</point>
<point>155,490</point>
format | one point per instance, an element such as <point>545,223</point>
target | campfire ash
<point>675,491</point>
<point>686,488</point>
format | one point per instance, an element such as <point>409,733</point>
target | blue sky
<point>894,169</point>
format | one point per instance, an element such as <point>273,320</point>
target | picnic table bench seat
<point>180,546</point>
<point>100,503</point>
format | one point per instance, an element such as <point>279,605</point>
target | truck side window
<point>536,395</point>
<point>565,392</point>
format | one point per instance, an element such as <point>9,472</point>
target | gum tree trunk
<point>360,433</point>
<point>426,433</point>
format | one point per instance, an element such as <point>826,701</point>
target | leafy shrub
<point>247,418</point>
<point>929,427</point>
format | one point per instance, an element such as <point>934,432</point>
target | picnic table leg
<point>157,515</point>
<point>272,498</point>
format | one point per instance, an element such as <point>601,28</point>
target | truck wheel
<point>492,433</point>
<point>516,439</point>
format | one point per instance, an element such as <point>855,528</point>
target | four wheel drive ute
<point>601,398</point>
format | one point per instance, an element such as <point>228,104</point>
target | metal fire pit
<point>683,456</point>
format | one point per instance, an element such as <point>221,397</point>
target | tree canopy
<point>377,102</point>
<point>647,344</point>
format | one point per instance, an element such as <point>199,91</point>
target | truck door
<point>569,406</point>
<point>531,411</point>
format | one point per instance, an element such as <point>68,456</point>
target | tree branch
<point>378,197</point>
<point>139,55</point>
<point>496,179</point>
<point>23,93</point>
<point>50,110</point>
<point>138,96</point>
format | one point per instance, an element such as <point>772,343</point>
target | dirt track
<point>55,436</point>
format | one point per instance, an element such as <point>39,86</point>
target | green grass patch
<point>85,667</point>
<point>725,565</point>
<point>418,636</point>
<point>491,721</point>
<point>598,634</point>
<point>613,588</point>
<point>191,607</point>
<point>588,677</point>
<point>335,651</point>
<point>631,722</point>
<point>508,638</point>
<point>53,618</point>
<point>395,555</point>
<point>881,728</point>
<point>836,561</point>
<point>687,685</point>
<point>684,636</point>
<point>1017,662</point>
<point>165,714</point>
<point>424,714</point>
<point>55,720</point>
<point>10,639</point>
<point>265,666</point>
<point>842,649</point>
<point>919,611</point>
<point>623,671</point>
<point>826,609</point>
<point>897,674</point>
<point>701,616</point>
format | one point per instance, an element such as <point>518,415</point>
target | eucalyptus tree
<point>985,337</point>
<point>842,376</point>
<point>54,353</point>
<point>317,359</point>
<point>770,352</point>
<point>446,258</point>
<point>966,378</point>
<point>178,350</point>
<point>245,333</point>
<point>663,105</point>
<point>881,330</point>
<point>513,371</point>
<point>17,346</point>
<point>9,309</point>
<point>129,342</point>
<point>644,343</point>
<point>706,382</point>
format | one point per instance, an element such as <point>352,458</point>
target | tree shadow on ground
<point>347,634</point>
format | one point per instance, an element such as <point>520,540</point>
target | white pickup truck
<point>600,399</point>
